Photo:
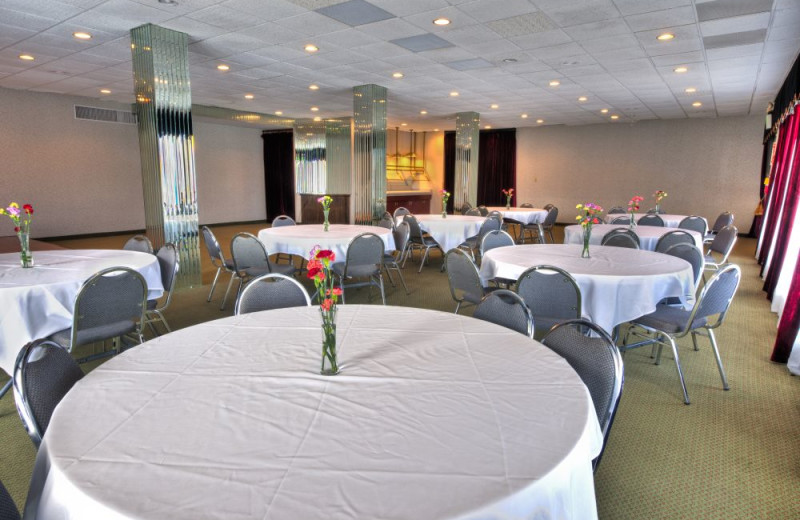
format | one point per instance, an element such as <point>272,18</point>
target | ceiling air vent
<point>105,114</point>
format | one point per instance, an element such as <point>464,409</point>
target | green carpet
<point>728,455</point>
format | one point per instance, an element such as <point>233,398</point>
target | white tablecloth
<point>300,240</point>
<point>617,284</point>
<point>37,302</point>
<point>449,232</point>
<point>670,221</point>
<point>648,235</point>
<point>523,215</point>
<point>433,415</point>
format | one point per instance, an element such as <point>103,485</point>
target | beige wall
<point>706,165</point>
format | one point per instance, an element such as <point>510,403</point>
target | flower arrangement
<point>659,196</point>
<point>445,197</point>
<point>21,217</point>
<point>633,206</point>
<point>509,192</point>
<point>319,270</point>
<point>326,201</point>
<point>591,216</point>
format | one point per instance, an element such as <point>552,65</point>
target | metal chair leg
<point>380,280</point>
<point>214,284</point>
<point>225,299</point>
<point>680,371</point>
<point>719,360</point>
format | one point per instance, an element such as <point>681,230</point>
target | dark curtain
<point>279,172</point>
<point>497,166</point>
<point>787,95</point>
<point>450,166</point>
<point>766,155</point>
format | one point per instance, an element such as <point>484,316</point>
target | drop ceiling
<point>502,52</point>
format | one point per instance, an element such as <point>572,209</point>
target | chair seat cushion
<point>669,319</point>
<point>152,304</point>
<point>355,271</point>
<point>86,336</point>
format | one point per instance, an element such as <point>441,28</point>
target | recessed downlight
<point>494,106</point>
<point>680,70</point>
<point>614,116</point>
<point>80,35</point>
<point>315,109</point>
<point>604,111</point>
<point>223,67</point>
<point>690,90</point>
<point>311,48</point>
<point>397,75</point>
<point>403,124</point>
<point>697,104</point>
<point>540,121</point>
<point>555,83</point>
<point>582,99</point>
<point>524,116</point>
<point>317,118</point>
<point>454,94</point>
<point>249,96</point>
<point>510,60</point>
<point>441,21</point>
<point>313,87</point>
<point>488,127</point>
<point>435,129</point>
<point>26,57</point>
<point>105,91</point>
<point>423,112</point>
<point>278,113</point>
<point>665,37</point>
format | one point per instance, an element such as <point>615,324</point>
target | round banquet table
<point>670,221</point>
<point>300,240</point>
<point>449,232</point>
<point>648,235</point>
<point>617,284</point>
<point>522,215</point>
<point>433,415</point>
<point>37,302</point>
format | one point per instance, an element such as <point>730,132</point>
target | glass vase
<point>330,364</point>
<point>508,204</point>
<point>25,254</point>
<point>587,235</point>
<point>326,213</point>
<point>632,225</point>
<point>444,213</point>
<point>658,208</point>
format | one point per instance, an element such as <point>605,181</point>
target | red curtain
<point>450,167</point>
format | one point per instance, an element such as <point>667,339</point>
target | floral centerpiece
<point>22,218</point>
<point>591,216</point>
<point>509,192</point>
<point>659,196</point>
<point>633,207</point>
<point>445,197</point>
<point>326,201</point>
<point>319,270</point>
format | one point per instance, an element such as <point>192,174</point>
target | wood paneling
<point>311,210</point>
<point>420,204</point>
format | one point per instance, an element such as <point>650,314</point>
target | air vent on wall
<point>105,114</point>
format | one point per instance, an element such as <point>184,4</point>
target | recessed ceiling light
<point>524,116</point>
<point>105,91</point>
<point>665,37</point>
<point>435,129</point>
<point>249,96</point>
<point>423,112</point>
<point>680,70</point>
<point>555,83</point>
<point>494,105</point>
<point>441,21</point>
<point>317,118</point>
<point>488,127</point>
<point>278,113</point>
<point>540,121</point>
<point>315,109</point>
<point>26,57</point>
<point>82,35</point>
<point>454,94</point>
<point>169,2</point>
<point>690,90</point>
<point>403,124</point>
<point>615,116</point>
<point>604,111</point>
<point>313,87</point>
<point>582,98</point>
<point>697,104</point>
<point>398,75</point>
<point>223,67</point>
<point>509,60</point>
<point>311,48</point>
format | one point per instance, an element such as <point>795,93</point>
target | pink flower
<point>337,291</point>
<point>326,304</point>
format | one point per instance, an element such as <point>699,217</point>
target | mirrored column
<point>369,152</point>
<point>467,145</point>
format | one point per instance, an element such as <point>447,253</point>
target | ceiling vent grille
<point>106,115</point>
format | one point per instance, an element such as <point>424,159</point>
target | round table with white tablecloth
<point>521,215</point>
<point>449,232</point>
<point>648,235</point>
<point>670,221</point>
<point>300,240</point>
<point>433,415</point>
<point>617,284</point>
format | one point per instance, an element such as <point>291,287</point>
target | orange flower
<point>326,304</point>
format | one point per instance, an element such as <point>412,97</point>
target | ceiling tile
<point>355,12</point>
<point>661,19</point>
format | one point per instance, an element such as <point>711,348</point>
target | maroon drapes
<point>789,326</point>
<point>497,166</point>
<point>450,167</point>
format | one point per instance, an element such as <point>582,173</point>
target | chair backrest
<point>552,215</point>
<point>387,223</point>
<point>248,251</point>
<point>717,295</point>
<point>493,239</point>
<point>473,212</point>
<point>490,224</point>
<point>623,221</point>
<point>723,242</point>
<point>212,246</point>
<point>724,219</point>
<point>621,238</point>
<point>401,211</point>
<point>415,232</point>
<point>551,293</point>
<point>110,303</point>
<point>401,234</point>
<point>592,353</point>
<point>139,243</point>
<point>8,509</point>
<point>271,291</point>
<point>462,275</point>
<point>495,214</point>
<point>484,211</point>
<point>651,219</point>
<point>617,209</point>
<point>671,238</point>
<point>694,223</point>
<point>283,220</point>
<point>366,249</point>
<point>43,374</point>
<point>692,254</point>
<point>526,205</point>
<point>169,262</point>
<point>505,308</point>
<point>465,207</point>
<point>547,207</point>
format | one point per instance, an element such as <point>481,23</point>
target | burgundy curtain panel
<point>497,166</point>
<point>449,167</point>
<point>279,172</point>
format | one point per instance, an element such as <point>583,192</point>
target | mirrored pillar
<point>166,143</point>
<point>369,152</point>
<point>467,145</point>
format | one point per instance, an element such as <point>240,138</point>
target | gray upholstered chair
<point>401,212</point>
<point>465,207</point>
<point>617,209</point>
<point>667,324</point>
<point>419,240</point>
<point>464,279</point>
<point>552,295</point>
<point>473,243</point>
<point>537,234</point>
<point>386,221</point>
<point>720,248</point>
<point>43,374</point>
<point>8,509</point>
<point>621,238</point>
<point>109,305</point>
<point>218,259</point>
<point>694,223</point>
<point>271,291</point>
<point>283,221</point>
<point>594,356</point>
<point>364,260</point>
<point>250,260</point>
<point>391,261</point>
<point>168,261</point>
<point>624,220</point>
<point>505,308</point>
<point>526,205</point>
<point>651,219</point>
<point>671,238</point>
<point>473,212</point>
<point>484,211</point>
<point>724,219</point>
<point>139,243</point>
<point>493,239</point>
<point>692,254</point>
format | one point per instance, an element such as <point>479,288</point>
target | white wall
<point>707,166</point>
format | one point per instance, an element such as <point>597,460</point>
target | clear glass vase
<point>25,254</point>
<point>587,235</point>
<point>508,203</point>
<point>632,225</point>
<point>326,224</point>
<point>330,364</point>
<point>444,213</point>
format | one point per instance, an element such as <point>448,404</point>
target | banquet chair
<point>671,238</point>
<point>494,238</point>
<point>505,308</point>
<point>526,205</point>
<point>139,243</point>
<point>217,258</point>
<point>465,207</point>
<point>692,254</point>
<point>484,211</point>
<point>473,212</point>
<point>621,237</point>
<point>537,233</point>
<point>617,209</point>
<point>724,219</point>
<point>495,215</point>
<point>621,221</point>
<point>722,245</point>
<point>464,279</point>
<point>8,509</point>
<point>364,260</point>
<point>591,352</point>
<point>552,295</point>
<point>250,260</point>
<point>400,212</point>
<point>667,324</point>
<point>386,223</point>
<point>473,243</point>
<point>169,262</point>
<point>109,305</point>
<point>391,261</point>
<point>548,206</point>
<point>418,240</point>
<point>271,291</point>
<point>694,223</point>
<point>43,374</point>
<point>651,219</point>
<point>282,221</point>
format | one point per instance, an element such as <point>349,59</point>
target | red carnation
<point>28,209</point>
<point>326,304</point>
<point>16,229</point>
<point>326,253</point>
<point>313,272</point>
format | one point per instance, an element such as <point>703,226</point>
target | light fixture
<point>223,67</point>
<point>488,127</point>
<point>249,96</point>
<point>398,75</point>
<point>441,21</point>
<point>555,83</point>
<point>313,87</point>
<point>494,105</point>
<point>403,124</point>
<point>664,37</point>
<point>278,113</point>
<point>454,94</point>
<point>435,129</point>
<point>690,90</point>
<point>697,104</point>
<point>315,109</point>
<point>604,111</point>
<point>311,48</point>
<point>524,116</point>
<point>614,116</point>
<point>582,99</point>
<point>26,57</point>
<point>317,118</point>
<point>509,60</point>
<point>423,112</point>
<point>80,35</point>
<point>105,91</point>
<point>680,70</point>
<point>540,121</point>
